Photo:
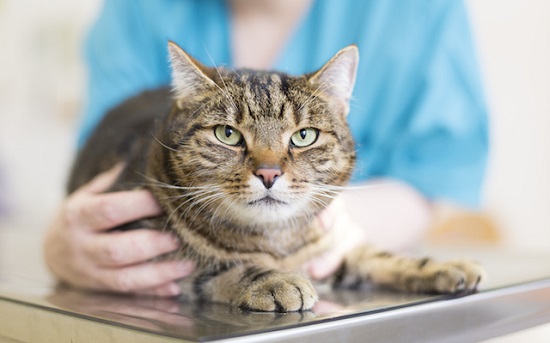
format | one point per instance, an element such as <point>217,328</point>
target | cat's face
<point>259,147</point>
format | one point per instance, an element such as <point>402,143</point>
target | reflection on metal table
<point>33,309</point>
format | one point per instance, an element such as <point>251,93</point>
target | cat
<point>242,162</point>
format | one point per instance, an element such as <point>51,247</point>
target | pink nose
<point>268,175</point>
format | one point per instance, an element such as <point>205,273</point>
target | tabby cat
<point>242,161</point>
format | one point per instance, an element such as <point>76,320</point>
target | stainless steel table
<point>34,309</point>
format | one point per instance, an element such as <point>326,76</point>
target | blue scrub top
<point>417,114</point>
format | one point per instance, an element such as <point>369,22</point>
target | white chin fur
<point>253,212</point>
<point>260,214</point>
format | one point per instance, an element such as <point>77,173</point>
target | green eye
<point>228,135</point>
<point>304,137</point>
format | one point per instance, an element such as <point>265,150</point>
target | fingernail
<point>174,289</point>
<point>172,241</point>
<point>185,266</point>
<point>313,270</point>
<point>318,268</point>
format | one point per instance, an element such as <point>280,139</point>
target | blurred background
<point>42,82</point>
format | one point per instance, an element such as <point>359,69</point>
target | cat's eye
<point>228,135</point>
<point>304,137</point>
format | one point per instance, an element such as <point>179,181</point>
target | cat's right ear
<point>189,76</point>
<point>337,77</point>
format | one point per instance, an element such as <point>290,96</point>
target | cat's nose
<point>268,175</point>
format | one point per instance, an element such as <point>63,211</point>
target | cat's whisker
<point>194,202</point>
<point>161,143</point>
<point>205,204</point>
<point>319,90</point>
<point>224,92</point>
<point>191,198</point>
<point>200,108</point>
<point>325,190</point>
<point>307,101</point>
<point>313,210</point>
<point>196,189</point>
<point>168,219</point>
<point>357,187</point>
<point>197,201</point>
<point>324,193</point>
<point>233,201</point>
<point>227,96</point>
<point>185,188</point>
<point>235,71</point>
<point>317,201</point>
<point>215,218</point>
<point>190,194</point>
<point>174,211</point>
<point>320,195</point>
<point>208,202</point>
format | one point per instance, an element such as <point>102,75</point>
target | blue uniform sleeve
<point>435,132</point>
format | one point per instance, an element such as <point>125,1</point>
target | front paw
<point>278,292</point>
<point>447,277</point>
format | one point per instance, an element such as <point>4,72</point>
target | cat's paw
<point>447,277</point>
<point>278,292</point>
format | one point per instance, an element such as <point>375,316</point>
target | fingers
<point>117,249</point>
<point>103,181</point>
<point>145,277</point>
<point>336,219</point>
<point>80,252</point>
<point>167,290</point>
<point>325,265</point>
<point>109,210</point>
<point>88,207</point>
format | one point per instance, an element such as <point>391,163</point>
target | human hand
<point>80,250</point>
<point>349,234</point>
<point>393,215</point>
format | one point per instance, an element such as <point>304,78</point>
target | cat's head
<point>260,147</point>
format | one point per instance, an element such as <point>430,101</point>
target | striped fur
<point>250,239</point>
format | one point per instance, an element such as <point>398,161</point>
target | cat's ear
<point>189,76</point>
<point>337,77</point>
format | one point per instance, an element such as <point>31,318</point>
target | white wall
<point>513,39</point>
<point>41,86</point>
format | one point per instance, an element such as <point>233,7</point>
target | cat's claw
<point>460,285</point>
<point>457,276</point>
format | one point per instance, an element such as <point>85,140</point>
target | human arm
<point>390,215</point>
<point>424,119</point>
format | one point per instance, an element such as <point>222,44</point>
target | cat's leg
<point>253,288</point>
<point>366,263</point>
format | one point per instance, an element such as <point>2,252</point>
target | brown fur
<point>248,248</point>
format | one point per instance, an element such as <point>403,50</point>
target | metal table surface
<point>33,309</point>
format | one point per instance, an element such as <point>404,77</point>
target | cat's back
<point>122,135</point>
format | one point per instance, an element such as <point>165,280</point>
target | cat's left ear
<point>337,77</point>
<point>189,76</point>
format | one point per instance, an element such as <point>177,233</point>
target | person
<point>417,114</point>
